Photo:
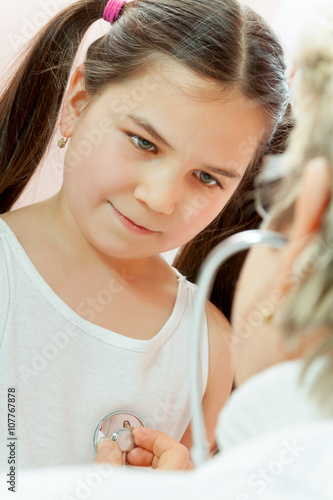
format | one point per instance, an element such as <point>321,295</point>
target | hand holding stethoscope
<point>152,448</point>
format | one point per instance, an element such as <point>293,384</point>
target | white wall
<point>267,8</point>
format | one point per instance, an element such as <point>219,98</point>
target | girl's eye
<point>142,143</point>
<point>207,179</point>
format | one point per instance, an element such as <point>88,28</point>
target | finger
<point>157,442</point>
<point>170,454</point>
<point>140,457</point>
<point>175,458</point>
<point>108,452</point>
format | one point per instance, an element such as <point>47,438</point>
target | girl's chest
<point>130,312</point>
<point>114,302</point>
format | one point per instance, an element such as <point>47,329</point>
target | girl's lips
<point>130,224</point>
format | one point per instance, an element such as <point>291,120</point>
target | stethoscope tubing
<point>207,274</point>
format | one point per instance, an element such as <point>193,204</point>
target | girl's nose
<point>159,192</point>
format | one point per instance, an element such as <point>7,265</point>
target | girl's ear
<point>74,102</point>
<point>310,208</point>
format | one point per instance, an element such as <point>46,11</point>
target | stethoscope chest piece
<point>118,426</point>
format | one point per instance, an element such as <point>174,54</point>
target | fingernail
<point>109,444</point>
<point>138,430</point>
<point>143,431</point>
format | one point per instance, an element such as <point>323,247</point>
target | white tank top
<point>68,373</point>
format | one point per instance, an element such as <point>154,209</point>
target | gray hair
<point>309,307</point>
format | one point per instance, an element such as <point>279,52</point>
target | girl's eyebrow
<point>226,172</point>
<point>142,122</point>
<point>148,127</point>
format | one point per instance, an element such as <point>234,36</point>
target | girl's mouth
<point>130,224</point>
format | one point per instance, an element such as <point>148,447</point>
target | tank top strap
<point>180,276</point>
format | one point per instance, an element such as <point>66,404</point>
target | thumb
<point>164,451</point>
<point>108,452</point>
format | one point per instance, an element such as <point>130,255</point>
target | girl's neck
<point>54,221</point>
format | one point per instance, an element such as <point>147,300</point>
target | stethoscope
<point>118,425</point>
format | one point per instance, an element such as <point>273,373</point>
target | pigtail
<point>31,101</point>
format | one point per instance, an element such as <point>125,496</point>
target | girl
<point>168,113</point>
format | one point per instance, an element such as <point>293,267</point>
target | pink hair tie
<point>112,10</point>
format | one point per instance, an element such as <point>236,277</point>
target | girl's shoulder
<point>20,217</point>
<point>27,224</point>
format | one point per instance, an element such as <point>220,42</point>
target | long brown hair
<point>220,40</point>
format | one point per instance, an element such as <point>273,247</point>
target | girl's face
<point>149,165</point>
